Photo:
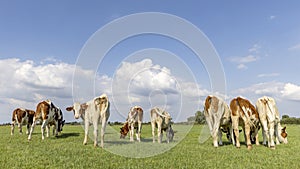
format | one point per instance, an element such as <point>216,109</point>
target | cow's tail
<point>159,113</point>
<point>248,119</point>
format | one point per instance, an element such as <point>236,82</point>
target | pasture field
<point>67,151</point>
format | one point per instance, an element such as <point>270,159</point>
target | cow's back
<point>42,110</point>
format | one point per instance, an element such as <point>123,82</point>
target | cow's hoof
<point>249,147</point>
<point>272,147</point>
<point>95,145</point>
<point>84,143</point>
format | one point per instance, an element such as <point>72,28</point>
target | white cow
<point>270,121</point>
<point>217,115</point>
<point>134,120</point>
<point>162,120</point>
<point>92,112</point>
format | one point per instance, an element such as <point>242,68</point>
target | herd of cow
<point>92,112</point>
<point>219,117</point>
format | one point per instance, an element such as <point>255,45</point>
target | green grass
<point>67,151</point>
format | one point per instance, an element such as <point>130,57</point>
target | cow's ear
<point>69,108</point>
<point>283,128</point>
<point>84,106</point>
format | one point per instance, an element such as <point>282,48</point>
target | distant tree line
<point>199,118</point>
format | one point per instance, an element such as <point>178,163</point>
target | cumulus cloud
<point>255,48</point>
<point>291,91</point>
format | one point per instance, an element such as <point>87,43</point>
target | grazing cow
<point>217,115</point>
<point>92,112</point>
<point>49,114</point>
<point>270,121</point>
<point>134,120</point>
<point>243,113</point>
<point>162,120</point>
<point>22,116</point>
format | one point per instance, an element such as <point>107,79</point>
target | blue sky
<point>258,43</point>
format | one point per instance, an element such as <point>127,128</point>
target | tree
<point>198,118</point>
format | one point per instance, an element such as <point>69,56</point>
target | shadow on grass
<point>66,135</point>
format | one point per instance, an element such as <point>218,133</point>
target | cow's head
<point>124,130</point>
<point>78,109</point>
<point>61,121</point>
<point>283,134</point>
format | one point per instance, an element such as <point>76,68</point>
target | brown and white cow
<point>270,121</point>
<point>22,116</point>
<point>162,120</point>
<point>133,121</point>
<point>217,115</point>
<point>243,113</point>
<point>92,112</point>
<point>49,114</point>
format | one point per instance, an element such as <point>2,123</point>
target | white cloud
<point>268,75</point>
<point>255,48</point>
<point>291,92</point>
<point>295,47</point>
<point>242,61</point>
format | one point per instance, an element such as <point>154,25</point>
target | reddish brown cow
<point>22,116</point>
<point>49,114</point>
<point>243,113</point>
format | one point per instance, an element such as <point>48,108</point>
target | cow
<point>244,114</point>
<point>49,114</point>
<point>270,121</point>
<point>162,120</point>
<point>134,120</point>
<point>217,115</point>
<point>92,112</point>
<point>22,116</point>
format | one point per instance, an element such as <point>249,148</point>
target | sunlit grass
<point>67,151</point>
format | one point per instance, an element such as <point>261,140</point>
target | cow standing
<point>49,114</point>
<point>217,115</point>
<point>162,120</point>
<point>92,112</point>
<point>134,120</point>
<point>243,113</point>
<point>22,116</point>
<point>270,121</point>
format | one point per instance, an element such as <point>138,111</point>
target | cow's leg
<point>235,128</point>
<point>43,129</point>
<point>271,135</point>
<point>86,131</point>
<point>103,127</point>
<point>168,134</point>
<point>47,130</point>
<point>138,134</point>
<point>27,128</point>
<point>159,133</point>
<point>153,131</point>
<point>12,128</point>
<point>95,124</point>
<point>277,134</point>
<point>256,136</point>
<point>265,132</point>
<point>55,129</point>
<point>131,131</point>
<point>32,128</point>
<point>220,137</point>
<point>247,134</point>
<point>20,128</point>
